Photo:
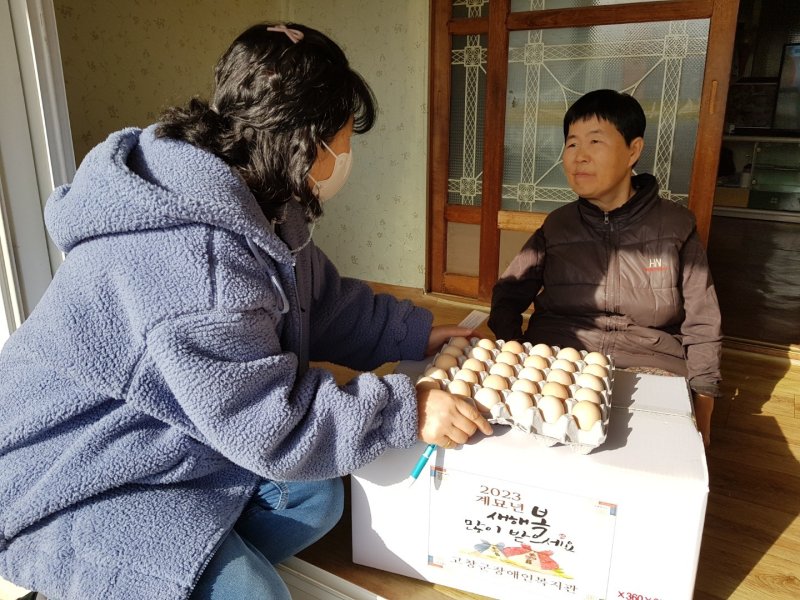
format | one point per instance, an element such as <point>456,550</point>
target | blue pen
<point>423,460</point>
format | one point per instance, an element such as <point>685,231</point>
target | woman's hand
<point>441,333</point>
<point>703,407</point>
<point>447,420</point>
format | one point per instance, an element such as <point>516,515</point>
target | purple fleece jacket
<point>165,371</point>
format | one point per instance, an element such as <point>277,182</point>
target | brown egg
<point>427,383</point>
<point>487,343</point>
<point>596,358</point>
<point>518,402</point>
<point>502,369</point>
<point>461,388</point>
<point>590,381</point>
<point>467,375</point>
<point>552,408</point>
<point>486,398</point>
<point>588,395</point>
<point>553,388</point>
<point>512,346</point>
<point>525,385</point>
<point>542,350</point>
<point>452,351</point>
<point>564,365</point>
<point>569,354</point>
<point>480,353</point>
<point>445,361</point>
<point>536,361</point>
<point>496,382</point>
<point>559,376</point>
<point>437,373</point>
<point>531,373</point>
<point>473,364</point>
<point>459,342</point>
<point>507,357</point>
<point>595,369</point>
<point>586,414</point>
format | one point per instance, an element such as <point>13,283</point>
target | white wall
<point>156,53</point>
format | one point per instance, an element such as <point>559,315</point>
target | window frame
<point>34,122</point>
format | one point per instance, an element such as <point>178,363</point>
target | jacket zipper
<point>209,558</point>
<point>303,359</point>
<point>220,541</point>
<point>611,304</point>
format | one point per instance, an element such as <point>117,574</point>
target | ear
<point>636,147</point>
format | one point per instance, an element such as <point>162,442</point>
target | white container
<point>506,517</point>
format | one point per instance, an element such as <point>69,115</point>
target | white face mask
<point>327,188</point>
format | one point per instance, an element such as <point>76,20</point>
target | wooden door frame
<point>722,16</point>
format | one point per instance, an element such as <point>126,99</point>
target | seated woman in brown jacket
<point>620,270</point>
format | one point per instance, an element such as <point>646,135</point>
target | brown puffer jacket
<point>632,283</point>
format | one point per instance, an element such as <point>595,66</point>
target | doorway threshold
<point>307,582</point>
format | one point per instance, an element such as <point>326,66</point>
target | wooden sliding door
<point>503,72</point>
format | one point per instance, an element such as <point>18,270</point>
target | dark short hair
<point>274,102</point>
<point>620,109</point>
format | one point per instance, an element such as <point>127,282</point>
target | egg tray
<point>564,430</point>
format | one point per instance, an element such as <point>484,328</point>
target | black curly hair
<point>274,102</point>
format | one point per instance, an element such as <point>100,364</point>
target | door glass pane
<point>511,243</point>
<point>463,248</point>
<point>528,5</point>
<point>775,183</point>
<point>467,105</point>
<point>660,64</point>
<point>463,9</point>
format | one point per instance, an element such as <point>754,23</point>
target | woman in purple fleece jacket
<point>161,433</point>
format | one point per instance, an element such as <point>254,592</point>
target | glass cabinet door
<point>775,183</point>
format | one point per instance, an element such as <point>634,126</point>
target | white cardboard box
<point>507,518</point>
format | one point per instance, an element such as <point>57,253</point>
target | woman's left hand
<point>441,333</point>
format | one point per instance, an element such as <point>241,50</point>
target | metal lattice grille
<point>661,64</point>
<point>470,8</point>
<point>658,63</point>
<point>526,5</point>
<point>466,142</point>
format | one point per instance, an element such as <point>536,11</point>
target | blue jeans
<point>281,519</point>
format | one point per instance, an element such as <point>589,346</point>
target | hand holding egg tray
<point>558,395</point>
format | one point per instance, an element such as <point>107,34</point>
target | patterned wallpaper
<point>124,61</point>
<point>374,229</point>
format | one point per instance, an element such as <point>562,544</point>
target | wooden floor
<point>751,542</point>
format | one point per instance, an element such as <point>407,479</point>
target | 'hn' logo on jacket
<point>655,264</point>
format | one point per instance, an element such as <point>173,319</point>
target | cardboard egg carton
<point>558,395</point>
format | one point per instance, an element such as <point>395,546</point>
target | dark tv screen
<point>787,104</point>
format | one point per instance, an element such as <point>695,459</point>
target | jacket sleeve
<point>354,327</point>
<point>517,287</point>
<point>224,380</point>
<point>701,327</point>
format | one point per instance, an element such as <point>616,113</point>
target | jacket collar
<point>642,201</point>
